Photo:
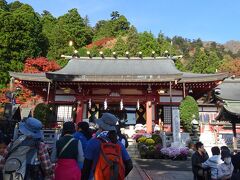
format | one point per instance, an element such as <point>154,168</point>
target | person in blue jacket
<point>83,134</point>
<point>106,124</point>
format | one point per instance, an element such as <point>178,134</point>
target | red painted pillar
<point>79,115</point>
<point>149,116</point>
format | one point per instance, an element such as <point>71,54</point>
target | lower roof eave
<point>113,79</point>
<point>191,77</point>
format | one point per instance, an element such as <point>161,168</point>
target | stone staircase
<point>132,149</point>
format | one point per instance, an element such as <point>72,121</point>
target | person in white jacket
<point>225,169</point>
<point>213,162</point>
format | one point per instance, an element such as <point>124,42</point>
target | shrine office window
<point>64,113</point>
<point>167,114</point>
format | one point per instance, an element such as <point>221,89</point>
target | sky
<point>209,20</point>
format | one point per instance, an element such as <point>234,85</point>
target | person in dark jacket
<point>121,137</point>
<point>198,157</point>
<point>68,153</point>
<point>83,134</point>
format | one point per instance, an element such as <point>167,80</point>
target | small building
<point>137,90</point>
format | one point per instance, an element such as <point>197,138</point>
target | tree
<point>188,111</point>
<point>20,35</point>
<point>40,64</point>
<point>231,66</point>
<point>163,44</point>
<point>132,41</point>
<point>115,27</point>
<point>3,5</point>
<point>213,62</point>
<point>120,47</point>
<point>15,5</point>
<point>69,27</point>
<point>199,62</point>
<point>114,15</point>
<point>147,43</point>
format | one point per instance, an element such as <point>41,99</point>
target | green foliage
<point>120,47</point>
<point>133,41</point>
<point>20,34</point>
<point>118,25</point>
<point>147,43</point>
<point>40,112</point>
<point>163,44</point>
<point>45,113</point>
<point>69,27</point>
<point>205,62</point>
<point>3,5</point>
<point>188,110</point>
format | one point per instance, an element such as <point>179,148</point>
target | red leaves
<point>40,64</point>
<point>24,95</point>
<point>100,43</point>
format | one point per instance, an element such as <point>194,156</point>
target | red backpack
<point>110,164</point>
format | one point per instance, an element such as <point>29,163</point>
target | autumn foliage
<point>40,64</point>
<point>232,67</point>
<point>22,94</point>
<point>100,43</point>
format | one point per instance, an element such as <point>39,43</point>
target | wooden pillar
<point>184,90</point>
<point>12,84</point>
<point>149,116</point>
<point>234,137</point>
<point>79,112</point>
<point>170,92</point>
<point>48,91</point>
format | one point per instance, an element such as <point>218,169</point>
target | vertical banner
<point>176,124</point>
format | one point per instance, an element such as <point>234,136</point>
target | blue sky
<point>210,20</point>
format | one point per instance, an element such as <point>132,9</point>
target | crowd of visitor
<point>81,153</point>
<point>78,154</point>
<point>222,165</point>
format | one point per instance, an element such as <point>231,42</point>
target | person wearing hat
<point>31,128</point>
<point>225,169</point>
<point>107,130</point>
<point>69,154</point>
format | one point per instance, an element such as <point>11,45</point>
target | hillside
<point>233,46</point>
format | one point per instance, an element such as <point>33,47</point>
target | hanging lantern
<point>138,105</point>
<point>105,104</point>
<point>121,104</point>
<point>90,104</point>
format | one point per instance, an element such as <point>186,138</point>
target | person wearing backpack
<point>68,153</point>
<point>27,157</point>
<point>106,158</point>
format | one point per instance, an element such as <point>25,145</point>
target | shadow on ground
<point>164,164</point>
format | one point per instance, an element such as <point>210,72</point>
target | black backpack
<point>22,161</point>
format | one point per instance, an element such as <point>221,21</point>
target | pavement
<point>160,169</point>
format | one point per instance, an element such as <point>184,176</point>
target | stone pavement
<point>137,173</point>
<point>155,169</point>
